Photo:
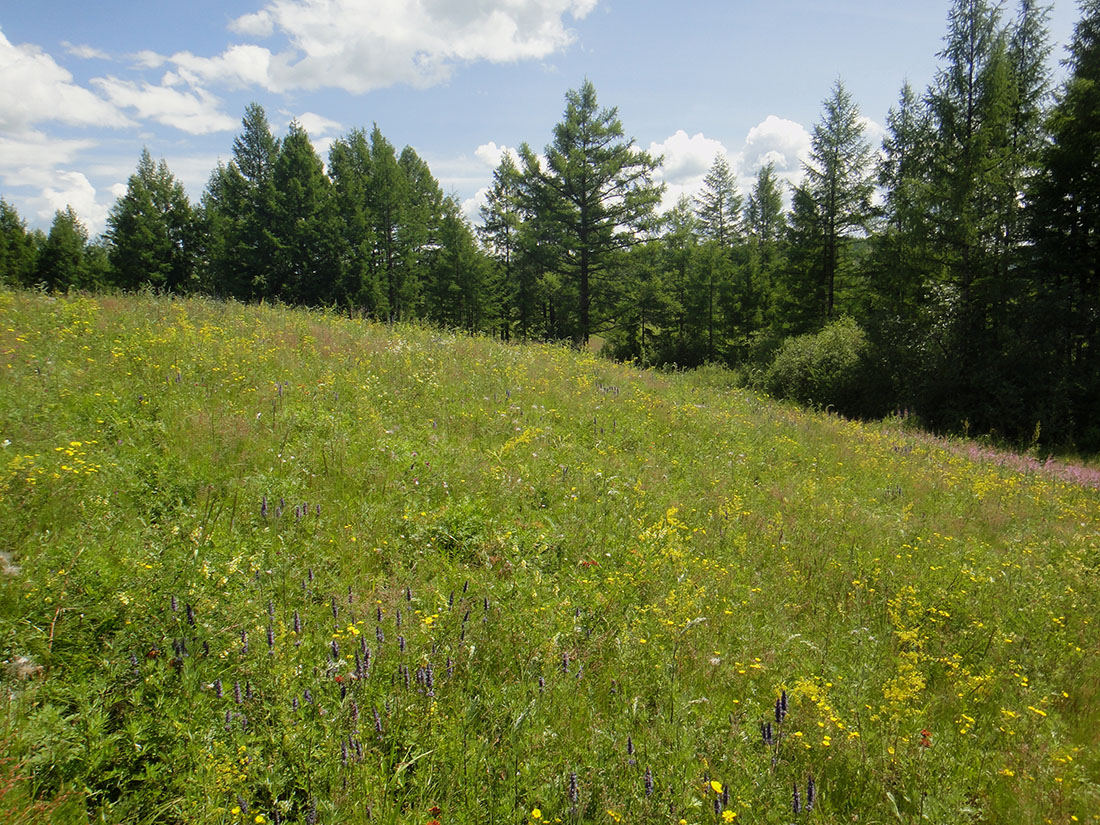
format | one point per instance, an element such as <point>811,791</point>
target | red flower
<point>925,738</point>
<point>435,810</point>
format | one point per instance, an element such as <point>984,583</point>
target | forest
<point>949,274</point>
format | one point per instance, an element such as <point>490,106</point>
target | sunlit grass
<point>285,566</point>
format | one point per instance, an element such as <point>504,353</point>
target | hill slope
<point>271,565</point>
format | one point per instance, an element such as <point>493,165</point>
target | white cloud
<point>37,89</point>
<point>781,142</point>
<point>687,159</point>
<point>491,155</point>
<point>86,52</point>
<point>75,190</point>
<point>873,132</point>
<point>317,126</point>
<point>237,67</point>
<point>195,111</point>
<point>686,163</point>
<point>257,24</point>
<point>361,45</point>
<point>471,207</point>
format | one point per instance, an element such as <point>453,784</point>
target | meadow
<point>263,565</point>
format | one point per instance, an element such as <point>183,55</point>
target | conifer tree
<point>597,191</point>
<point>151,231</point>
<point>61,260</point>
<point>17,248</point>
<point>839,182</point>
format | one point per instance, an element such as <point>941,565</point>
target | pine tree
<point>387,198</point>
<point>839,181</point>
<point>240,206</point>
<point>303,224</point>
<point>718,205</point>
<point>1065,221</point>
<point>350,171</point>
<point>61,263</point>
<point>766,226</point>
<point>17,248</point>
<point>151,231</point>
<point>499,232</point>
<point>597,190</point>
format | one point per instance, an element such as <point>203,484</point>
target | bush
<point>830,368</point>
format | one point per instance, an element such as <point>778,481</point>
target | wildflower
<point>536,814</point>
<point>716,786</point>
<point>796,801</point>
<point>811,793</point>
<point>728,816</point>
<point>574,793</point>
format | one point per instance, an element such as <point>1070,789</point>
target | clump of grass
<point>284,565</point>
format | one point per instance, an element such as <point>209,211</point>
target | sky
<point>84,87</point>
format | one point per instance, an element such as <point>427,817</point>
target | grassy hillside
<point>266,565</point>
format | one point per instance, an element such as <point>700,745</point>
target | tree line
<point>951,272</point>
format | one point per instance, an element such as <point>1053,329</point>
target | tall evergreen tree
<point>1065,221</point>
<point>387,197</point>
<point>151,231</point>
<point>350,171</point>
<point>17,248</point>
<point>597,190</point>
<point>303,224</point>
<point>718,205</point>
<point>61,260</point>
<point>240,207</point>
<point>840,183</point>
<point>499,232</point>
<point>766,226</point>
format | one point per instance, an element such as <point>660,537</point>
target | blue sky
<point>84,87</point>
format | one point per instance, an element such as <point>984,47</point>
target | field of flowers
<point>270,566</point>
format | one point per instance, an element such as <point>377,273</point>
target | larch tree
<point>840,183</point>
<point>151,232</point>
<point>598,192</point>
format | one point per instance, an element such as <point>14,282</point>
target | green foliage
<point>828,369</point>
<point>151,232</point>
<point>17,248</point>
<point>61,264</point>
<point>594,193</point>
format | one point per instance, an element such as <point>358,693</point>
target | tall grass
<point>279,566</point>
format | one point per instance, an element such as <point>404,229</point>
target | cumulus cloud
<point>75,190</point>
<point>778,141</point>
<point>687,159</point>
<point>317,126</point>
<point>491,155</point>
<point>362,45</point>
<point>238,67</point>
<point>193,110</point>
<point>37,89</point>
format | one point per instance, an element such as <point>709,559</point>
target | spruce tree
<point>17,248</point>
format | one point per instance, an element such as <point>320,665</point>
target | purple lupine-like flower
<point>174,604</point>
<point>629,746</point>
<point>270,640</point>
<point>263,507</point>
<point>297,624</point>
<point>237,692</point>
<point>218,688</point>
<point>401,643</point>
<point>190,615</point>
<point>335,648</point>
<point>811,793</point>
<point>335,609</point>
<point>796,801</point>
<point>648,782</point>
<point>244,643</point>
<point>377,721</point>
<point>574,791</point>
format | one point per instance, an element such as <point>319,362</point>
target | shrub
<point>830,368</point>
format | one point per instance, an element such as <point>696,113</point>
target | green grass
<point>583,554</point>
